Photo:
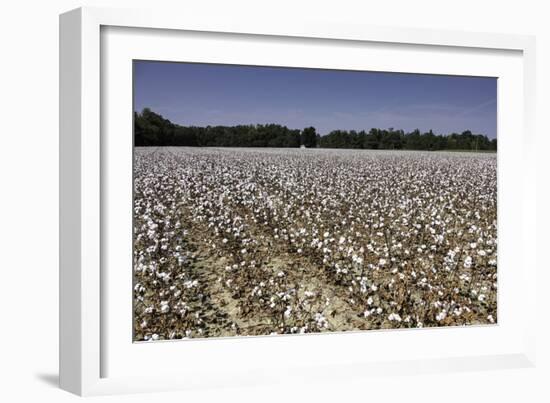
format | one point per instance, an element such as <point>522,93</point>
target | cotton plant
<point>260,241</point>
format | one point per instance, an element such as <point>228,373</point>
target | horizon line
<point>325,134</point>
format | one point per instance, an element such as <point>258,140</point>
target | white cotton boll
<point>394,317</point>
<point>288,311</point>
<point>468,262</point>
<point>164,307</point>
<point>321,320</point>
<point>139,288</point>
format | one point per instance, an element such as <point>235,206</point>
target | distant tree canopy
<point>308,138</point>
<point>391,139</point>
<point>151,129</point>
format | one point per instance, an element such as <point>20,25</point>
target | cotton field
<point>246,242</point>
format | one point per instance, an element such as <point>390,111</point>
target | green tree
<point>308,137</point>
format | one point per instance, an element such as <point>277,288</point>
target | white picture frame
<point>91,348</point>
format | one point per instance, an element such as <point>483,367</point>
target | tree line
<point>151,129</point>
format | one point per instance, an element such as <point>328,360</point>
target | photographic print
<point>281,200</point>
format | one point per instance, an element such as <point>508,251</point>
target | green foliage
<point>151,129</point>
<point>390,139</point>
<point>309,137</point>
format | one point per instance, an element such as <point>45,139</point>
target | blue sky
<point>210,94</point>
